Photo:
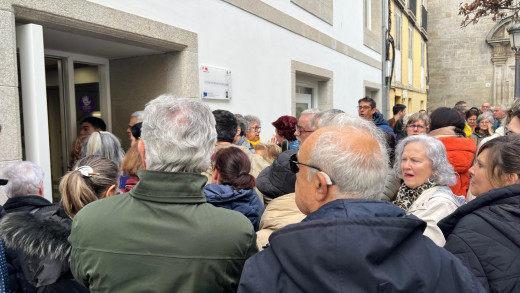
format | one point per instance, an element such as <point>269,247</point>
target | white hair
<point>23,178</point>
<point>503,107</point>
<point>250,119</point>
<point>104,144</point>
<point>357,173</point>
<point>179,134</point>
<point>138,116</point>
<point>443,173</point>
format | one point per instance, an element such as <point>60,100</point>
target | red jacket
<point>461,151</point>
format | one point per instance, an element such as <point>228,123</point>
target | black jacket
<point>355,245</point>
<point>35,234</point>
<point>278,179</point>
<point>485,235</point>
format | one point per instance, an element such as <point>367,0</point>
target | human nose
<point>297,132</point>
<point>472,170</point>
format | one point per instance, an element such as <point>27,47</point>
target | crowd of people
<point>331,203</point>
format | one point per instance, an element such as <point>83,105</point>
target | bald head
<point>353,158</point>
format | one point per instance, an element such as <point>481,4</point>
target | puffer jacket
<point>460,151</point>
<point>379,121</point>
<point>485,235</point>
<point>39,238</point>
<point>392,184</point>
<point>280,212</point>
<point>245,201</point>
<point>278,179</point>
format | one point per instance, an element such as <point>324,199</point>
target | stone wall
<point>459,59</point>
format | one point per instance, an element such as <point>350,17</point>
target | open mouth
<point>407,175</point>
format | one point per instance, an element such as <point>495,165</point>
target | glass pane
<point>86,84</point>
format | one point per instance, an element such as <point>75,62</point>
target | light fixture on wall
<point>514,34</point>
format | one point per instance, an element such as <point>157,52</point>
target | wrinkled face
<point>480,182</point>
<point>366,111</point>
<point>254,132</point>
<point>304,190</point>
<point>514,126</point>
<point>472,121</point>
<point>498,113</point>
<point>302,129</point>
<point>484,124</point>
<point>86,129</point>
<point>417,127</point>
<point>416,168</point>
<point>485,107</point>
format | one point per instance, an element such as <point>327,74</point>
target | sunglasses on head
<point>293,162</point>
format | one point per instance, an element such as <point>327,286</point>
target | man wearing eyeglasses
<point>367,110</point>
<point>305,127</point>
<point>350,240</point>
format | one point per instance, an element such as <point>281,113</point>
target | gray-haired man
<point>162,236</point>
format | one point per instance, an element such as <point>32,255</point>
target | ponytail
<point>91,178</point>
<point>234,166</point>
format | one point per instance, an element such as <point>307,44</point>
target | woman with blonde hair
<point>93,178</point>
<point>131,163</point>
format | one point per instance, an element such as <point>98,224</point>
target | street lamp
<point>514,34</point>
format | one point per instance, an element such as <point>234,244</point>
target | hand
<point>273,140</point>
<point>490,130</point>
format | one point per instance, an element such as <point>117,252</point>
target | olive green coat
<point>162,236</point>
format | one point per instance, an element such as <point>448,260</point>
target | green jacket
<point>161,236</point>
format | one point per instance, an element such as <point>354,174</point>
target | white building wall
<point>259,53</point>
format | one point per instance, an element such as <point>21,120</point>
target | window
<point>368,14</point>
<point>410,43</point>
<point>398,30</point>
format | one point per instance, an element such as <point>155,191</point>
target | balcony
<point>412,6</point>
<point>424,18</point>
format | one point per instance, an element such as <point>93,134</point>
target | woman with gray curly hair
<point>422,164</point>
<point>483,129</point>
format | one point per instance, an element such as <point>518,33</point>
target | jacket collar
<point>169,187</point>
<point>504,195</point>
<point>25,203</point>
<point>354,208</point>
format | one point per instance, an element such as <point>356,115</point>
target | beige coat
<point>434,205</point>
<point>281,212</point>
<point>257,165</point>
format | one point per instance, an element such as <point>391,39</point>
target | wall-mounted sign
<point>215,83</point>
<point>86,104</point>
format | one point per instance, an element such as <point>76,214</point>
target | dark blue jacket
<point>245,201</point>
<point>485,235</point>
<point>355,245</point>
<point>379,121</point>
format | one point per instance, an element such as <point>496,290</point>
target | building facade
<point>63,61</point>
<point>474,63</point>
<point>410,67</point>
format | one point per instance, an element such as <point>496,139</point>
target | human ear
<point>110,191</point>
<point>141,150</point>
<point>321,188</point>
<point>215,176</point>
<point>510,179</point>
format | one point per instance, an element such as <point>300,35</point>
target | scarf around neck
<point>407,196</point>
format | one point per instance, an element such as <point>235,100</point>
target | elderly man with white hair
<point>24,187</point>
<point>351,241</point>
<point>163,236</point>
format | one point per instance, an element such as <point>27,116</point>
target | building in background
<point>409,86</point>
<point>473,63</point>
<point>63,61</point>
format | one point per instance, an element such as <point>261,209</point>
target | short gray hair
<point>485,116</point>
<point>310,111</point>
<point>23,178</point>
<point>250,119</point>
<point>104,144</point>
<point>179,134</point>
<point>325,116</point>
<point>503,107</point>
<point>443,173</point>
<point>416,117</point>
<point>138,115</point>
<point>359,174</point>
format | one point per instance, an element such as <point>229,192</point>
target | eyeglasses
<point>418,126</point>
<point>364,107</point>
<point>301,130</point>
<point>293,162</point>
<point>256,129</point>
<point>484,122</point>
